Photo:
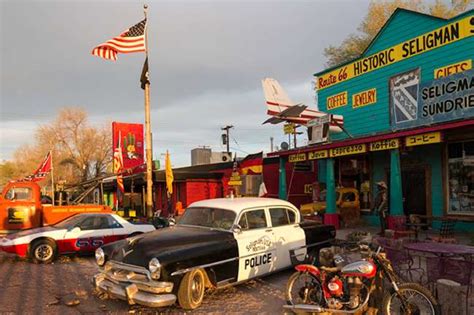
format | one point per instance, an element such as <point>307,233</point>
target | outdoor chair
<point>401,229</point>
<point>445,233</point>
<point>402,262</point>
<point>457,270</point>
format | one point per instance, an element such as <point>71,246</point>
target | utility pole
<point>271,144</point>
<point>226,128</point>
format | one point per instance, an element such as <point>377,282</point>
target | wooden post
<point>149,161</point>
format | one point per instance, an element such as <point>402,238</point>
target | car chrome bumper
<point>127,283</point>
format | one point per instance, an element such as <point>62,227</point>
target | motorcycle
<point>347,287</point>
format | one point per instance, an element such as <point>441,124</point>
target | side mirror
<point>236,228</point>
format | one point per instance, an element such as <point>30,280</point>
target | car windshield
<point>208,217</point>
<point>69,222</point>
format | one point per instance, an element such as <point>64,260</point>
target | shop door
<point>414,191</point>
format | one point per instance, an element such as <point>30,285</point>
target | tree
<point>80,151</point>
<point>379,12</point>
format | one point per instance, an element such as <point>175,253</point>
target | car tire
<point>191,289</point>
<point>43,251</point>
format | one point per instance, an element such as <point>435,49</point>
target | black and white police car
<point>216,243</point>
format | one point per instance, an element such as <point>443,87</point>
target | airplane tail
<point>276,98</point>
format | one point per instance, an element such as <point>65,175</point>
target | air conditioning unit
<point>226,157</point>
<point>220,157</point>
<point>318,129</point>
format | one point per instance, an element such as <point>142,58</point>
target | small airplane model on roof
<point>282,109</point>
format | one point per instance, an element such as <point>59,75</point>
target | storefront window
<point>461,178</point>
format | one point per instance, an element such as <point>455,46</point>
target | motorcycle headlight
<point>155,268</point>
<point>100,256</point>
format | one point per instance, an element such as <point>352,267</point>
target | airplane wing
<point>273,121</point>
<point>293,111</point>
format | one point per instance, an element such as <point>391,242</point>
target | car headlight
<point>100,256</point>
<point>155,268</point>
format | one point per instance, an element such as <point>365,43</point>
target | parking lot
<point>29,288</point>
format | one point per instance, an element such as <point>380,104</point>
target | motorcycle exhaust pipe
<point>319,309</point>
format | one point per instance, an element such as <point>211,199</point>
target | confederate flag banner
<point>42,171</point>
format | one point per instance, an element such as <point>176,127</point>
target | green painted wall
<point>375,118</point>
<point>427,154</point>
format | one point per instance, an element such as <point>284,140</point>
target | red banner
<point>129,137</point>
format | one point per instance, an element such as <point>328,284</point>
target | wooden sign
<point>300,157</point>
<point>387,144</point>
<point>348,150</point>
<point>316,155</point>
<point>425,138</point>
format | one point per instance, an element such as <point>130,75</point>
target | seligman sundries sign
<point>445,99</point>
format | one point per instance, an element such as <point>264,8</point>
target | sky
<point>206,59</point>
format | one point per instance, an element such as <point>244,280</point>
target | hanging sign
<point>300,157</point>
<point>453,69</point>
<point>426,138</point>
<point>338,100</point>
<point>439,37</point>
<point>316,155</point>
<point>235,179</point>
<point>387,144</point>
<point>348,150</point>
<point>364,98</point>
<point>289,129</point>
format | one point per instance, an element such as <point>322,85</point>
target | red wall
<point>197,190</point>
<point>295,181</point>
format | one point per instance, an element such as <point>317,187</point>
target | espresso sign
<point>348,150</point>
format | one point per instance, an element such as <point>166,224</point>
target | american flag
<point>130,41</point>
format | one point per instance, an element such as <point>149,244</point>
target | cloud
<point>206,62</point>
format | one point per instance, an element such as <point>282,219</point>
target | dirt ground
<point>29,288</point>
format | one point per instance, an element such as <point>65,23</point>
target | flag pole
<point>149,179</point>
<point>52,176</point>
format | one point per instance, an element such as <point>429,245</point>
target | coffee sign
<point>387,144</point>
<point>299,157</point>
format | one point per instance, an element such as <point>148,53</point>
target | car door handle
<point>268,230</point>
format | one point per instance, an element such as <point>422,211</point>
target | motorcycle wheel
<point>304,288</point>
<point>418,299</point>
